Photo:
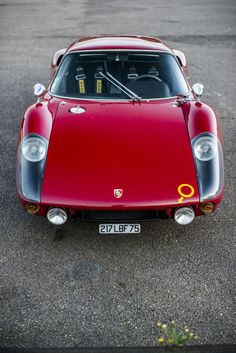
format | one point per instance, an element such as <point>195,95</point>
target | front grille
<point>101,215</point>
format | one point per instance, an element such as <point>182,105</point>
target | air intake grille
<point>101,215</point>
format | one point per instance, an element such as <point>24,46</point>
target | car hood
<point>143,149</point>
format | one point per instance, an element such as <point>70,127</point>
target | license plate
<point>119,228</point>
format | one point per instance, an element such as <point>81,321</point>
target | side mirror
<point>39,90</point>
<point>197,90</point>
<point>56,59</point>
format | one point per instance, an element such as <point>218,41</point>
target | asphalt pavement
<point>69,286</point>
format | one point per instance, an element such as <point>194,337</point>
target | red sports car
<point>119,136</point>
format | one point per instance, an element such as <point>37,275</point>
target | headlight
<point>184,215</point>
<point>34,149</point>
<point>57,216</point>
<point>205,147</point>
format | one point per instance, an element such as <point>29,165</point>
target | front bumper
<point>121,213</point>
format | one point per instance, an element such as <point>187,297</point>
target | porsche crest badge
<point>118,193</point>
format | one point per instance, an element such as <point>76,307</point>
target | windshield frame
<point>105,99</point>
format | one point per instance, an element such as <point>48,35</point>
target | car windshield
<point>119,75</point>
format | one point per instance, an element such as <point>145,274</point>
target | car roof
<point>132,42</point>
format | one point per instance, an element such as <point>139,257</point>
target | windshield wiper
<point>139,99</point>
<point>120,86</point>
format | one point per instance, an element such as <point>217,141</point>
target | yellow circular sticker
<point>185,195</point>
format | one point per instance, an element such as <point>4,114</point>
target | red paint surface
<point>38,118</point>
<point>200,118</point>
<point>143,149</point>
<point>119,42</point>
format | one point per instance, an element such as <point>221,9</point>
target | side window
<point>60,83</point>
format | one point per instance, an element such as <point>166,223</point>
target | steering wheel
<point>148,76</point>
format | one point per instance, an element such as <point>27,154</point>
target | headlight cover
<point>34,149</point>
<point>31,160</point>
<point>208,155</point>
<point>205,147</point>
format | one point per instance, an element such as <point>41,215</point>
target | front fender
<point>201,120</point>
<point>37,120</point>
